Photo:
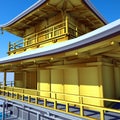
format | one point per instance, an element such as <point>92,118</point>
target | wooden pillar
<point>100,75</point>
<point>38,79</point>
<point>4,84</point>
<point>114,81</point>
<point>25,79</point>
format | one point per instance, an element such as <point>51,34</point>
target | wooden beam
<point>104,49</point>
<point>74,66</point>
<point>113,55</point>
<point>54,7</point>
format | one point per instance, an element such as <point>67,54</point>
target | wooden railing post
<point>14,46</point>
<point>9,46</point>
<point>36,100</point>
<point>11,83</point>
<point>55,102</point>
<point>67,107</point>
<point>36,37</point>
<point>17,96</point>
<point>81,107</point>
<point>45,102</point>
<point>102,115</point>
<point>67,25</point>
<point>53,32</point>
<point>0,85</point>
<point>23,95</point>
<point>29,99</point>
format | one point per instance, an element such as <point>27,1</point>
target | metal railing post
<point>3,111</point>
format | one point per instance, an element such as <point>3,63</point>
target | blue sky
<point>11,8</point>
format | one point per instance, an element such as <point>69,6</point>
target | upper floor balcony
<point>57,33</point>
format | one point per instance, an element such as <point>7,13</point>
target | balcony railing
<point>8,83</point>
<point>66,106</point>
<point>50,34</point>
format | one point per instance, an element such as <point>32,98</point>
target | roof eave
<point>91,6</point>
<point>39,3</point>
<point>98,35</point>
<point>27,11</point>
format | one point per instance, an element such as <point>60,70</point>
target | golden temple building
<point>68,55</point>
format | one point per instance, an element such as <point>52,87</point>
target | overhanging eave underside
<point>78,9</point>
